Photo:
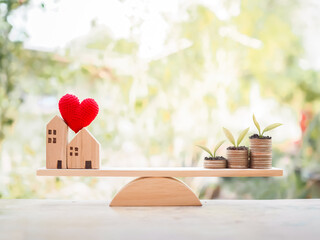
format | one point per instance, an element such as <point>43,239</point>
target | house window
<point>54,140</point>
<point>54,132</point>
<point>49,140</point>
<point>76,149</point>
<point>49,131</point>
<point>76,153</point>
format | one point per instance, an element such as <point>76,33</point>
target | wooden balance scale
<point>159,186</point>
<point>153,187</point>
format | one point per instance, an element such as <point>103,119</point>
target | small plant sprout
<point>231,138</point>
<point>268,128</point>
<point>214,150</point>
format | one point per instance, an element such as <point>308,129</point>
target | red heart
<point>78,115</point>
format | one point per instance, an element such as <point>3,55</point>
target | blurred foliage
<point>10,94</point>
<point>310,147</point>
<point>157,109</point>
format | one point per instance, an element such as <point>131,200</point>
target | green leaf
<point>217,147</point>
<point>242,135</point>
<point>270,127</point>
<point>206,149</point>
<point>229,136</point>
<point>257,124</point>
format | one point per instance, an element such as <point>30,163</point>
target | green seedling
<point>214,150</point>
<point>268,128</point>
<point>231,138</point>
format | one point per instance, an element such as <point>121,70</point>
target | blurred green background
<point>167,75</point>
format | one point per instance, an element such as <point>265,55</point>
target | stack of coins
<point>237,158</point>
<point>221,163</point>
<point>261,153</point>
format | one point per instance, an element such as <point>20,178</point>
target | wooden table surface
<point>216,219</point>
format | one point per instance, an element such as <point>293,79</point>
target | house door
<point>59,164</point>
<point>88,165</point>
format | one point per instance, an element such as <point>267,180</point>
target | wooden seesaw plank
<point>162,172</point>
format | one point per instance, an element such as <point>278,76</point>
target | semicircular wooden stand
<point>155,191</point>
<point>158,186</point>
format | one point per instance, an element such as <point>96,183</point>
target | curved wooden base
<point>155,191</point>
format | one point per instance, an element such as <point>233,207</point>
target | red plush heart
<point>78,115</point>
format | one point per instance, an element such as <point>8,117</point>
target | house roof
<point>56,120</point>
<point>84,133</point>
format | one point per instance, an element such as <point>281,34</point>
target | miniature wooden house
<point>83,151</point>
<point>56,143</point>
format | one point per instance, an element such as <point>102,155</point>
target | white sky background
<point>55,26</point>
<point>60,22</point>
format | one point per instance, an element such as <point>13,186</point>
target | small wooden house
<point>56,143</point>
<point>83,151</point>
